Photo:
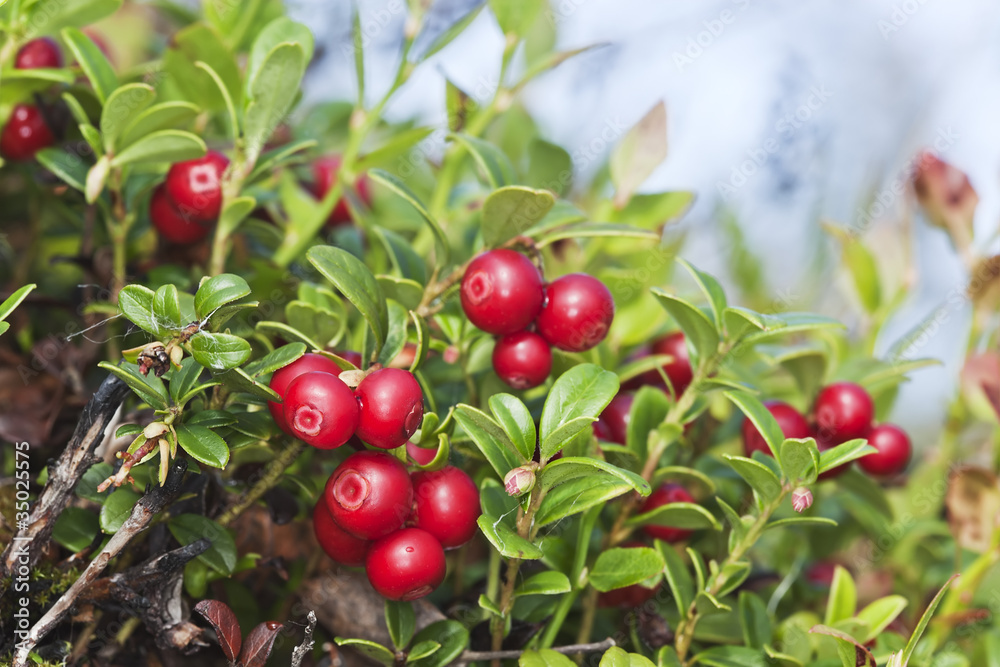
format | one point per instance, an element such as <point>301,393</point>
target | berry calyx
<point>392,407</point>
<point>39,53</point>
<point>169,222</point>
<point>195,186</point>
<point>25,133</point>
<point>678,370</point>
<point>666,494</point>
<point>338,544</point>
<point>446,505</point>
<point>320,410</point>
<point>843,411</point>
<point>612,425</point>
<point>522,360</point>
<point>325,177</point>
<point>578,313</point>
<point>791,421</point>
<point>502,292</point>
<point>406,565</point>
<point>283,377</point>
<point>370,494</point>
<point>894,451</point>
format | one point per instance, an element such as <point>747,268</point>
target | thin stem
<point>267,481</point>
<point>479,656</point>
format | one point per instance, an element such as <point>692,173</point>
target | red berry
<point>523,360</point>
<point>406,565</point>
<point>791,421</point>
<point>25,133</point>
<point>195,186</point>
<point>635,595</point>
<point>325,177</point>
<point>338,544</point>
<point>820,574</point>
<point>446,505</point>
<point>370,494</point>
<point>612,425</point>
<point>502,292</point>
<point>392,407</point>
<point>578,312</point>
<point>678,370</point>
<point>39,53</point>
<point>666,494</point>
<point>893,447</point>
<point>283,377</point>
<point>320,410</point>
<point>169,222</point>
<point>843,412</point>
<point>353,357</point>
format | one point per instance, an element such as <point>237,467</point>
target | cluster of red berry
<point>325,178</point>
<point>396,524</point>
<point>186,206</point>
<point>503,293</point>
<point>319,408</point>
<point>27,131</point>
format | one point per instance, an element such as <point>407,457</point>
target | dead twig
<point>303,649</point>
<point>477,656</point>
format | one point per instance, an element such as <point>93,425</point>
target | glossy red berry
<point>320,410</point>
<point>612,425</point>
<point>522,360</point>
<point>446,505</point>
<point>283,377</point>
<point>170,224</point>
<point>195,186</point>
<point>791,421</point>
<point>392,407</point>
<point>338,544</point>
<point>370,494</point>
<point>894,451</point>
<point>631,596</point>
<point>325,177</point>
<point>843,411</point>
<point>406,565</point>
<point>678,370</point>
<point>578,312</point>
<point>25,133</point>
<point>666,494</point>
<point>502,292</point>
<point>39,53</point>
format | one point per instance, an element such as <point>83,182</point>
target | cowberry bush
<point>494,397</point>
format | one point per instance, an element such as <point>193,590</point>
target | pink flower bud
<point>519,481</point>
<point>802,499</point>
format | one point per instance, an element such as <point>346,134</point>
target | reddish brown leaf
<point>947,197</point>
<point>227,628</point>
<point>258,644</point>
<point>973,502</point>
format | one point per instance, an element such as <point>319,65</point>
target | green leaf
<point>511,211</point>
<point>164,116</point>
<point>203,445</point>
<point>545,657</point>
<point>97,178</point>
<point>800,460</point>
<point>649,408</point>
<point>402,255</point>
<point>654,210</point>
<point>235,213</point>
<point>731,656</point>
<point>667,657</point>
<point>123,106</point>
<point>843,598</point>
<point>761,418</point>
<point>401,621</point>
<point>273,90</point>
<point>549,167</point>
<point>162,146</point>
<point>92,61</point>
<point>167,308</point>
<point>617,568</point>
<point>288,333</point>
<point>755,621</point>
<point>740,321</point>
<point>760,478</point>
<point>52,15</point>
<point>217,291</point>
<point>569,468</point>
<point>918,632</point>
<point>544,583</point>
<point>397,186</point>
<point>880,613</point>
<point>451,635</point>
<point>278,32</point>
<point>408,293</point>
<point>578,496</point>
<point>221,556</point>
<point>199,42</point>
<point>494,163</point>
<point>117,508</point>
<point>276,359</point>
<point>184,380</point>
<point>87,488</point>
<point>446,36</point>
<point>75,528</point>
<point>236,379</point>
<point>516,421</point>
<point>278,157</point>
<point>490,438</point>
<point>356,282</point>
<point>678,578</point>
<point>708,605</point>
<point>14,300</point>
<point>575,401</point>
<point>688,474</point>
<point>506,541</point>
<point>218,351</point>
<point>422,650</point>
<point>794,323</point>
<point>594,230</point>
<point>844,453</point>
<point>67,166</point>
<point>640,151</point>
<point>515,16</point>
<point>697,328</point>
<point>677,515</point>
<point>618,657</point>
<point>801,521</point>
<point>369,649</point>
<point>712,290</point>
<point>148,388</point>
